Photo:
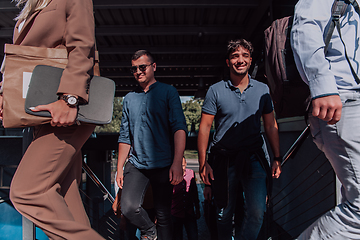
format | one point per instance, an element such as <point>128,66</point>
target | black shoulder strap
<point>357,80</point>
<point>337,11</point>
<point>355,5</point>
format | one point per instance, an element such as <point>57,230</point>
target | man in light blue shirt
<point>335,113</point>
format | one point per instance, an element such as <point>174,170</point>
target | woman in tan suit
<point>45,186</point>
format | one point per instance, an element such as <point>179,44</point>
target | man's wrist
<point>279,159</point>
<point>201,166</point>
<point>177,160</point>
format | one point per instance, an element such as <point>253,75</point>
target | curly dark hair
<point>233,45</point>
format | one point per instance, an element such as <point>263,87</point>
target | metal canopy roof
<point>187,37</point>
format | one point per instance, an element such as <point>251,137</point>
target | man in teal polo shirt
<point>238,163</point>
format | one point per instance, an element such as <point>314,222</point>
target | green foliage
<point>192,112</point>
<point>191,154</point>
<point>191,108</point>
<point>114,126</point>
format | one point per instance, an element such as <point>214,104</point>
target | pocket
<point>351,102</point>
<point>127,168</point>
<point>315,130</point>
<point>349,121</point>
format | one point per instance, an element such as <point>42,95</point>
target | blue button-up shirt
<point>148,124</point>
<point>326,75</point>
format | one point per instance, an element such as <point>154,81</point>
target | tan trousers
<point>45,186</point>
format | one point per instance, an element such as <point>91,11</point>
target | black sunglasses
<point>142,67</point>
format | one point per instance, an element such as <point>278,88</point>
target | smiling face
<point>144,78</point>
<point>239,61</point>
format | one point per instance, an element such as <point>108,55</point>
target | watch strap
<point>71,100</point>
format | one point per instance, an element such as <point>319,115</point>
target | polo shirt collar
<point>229,84</point>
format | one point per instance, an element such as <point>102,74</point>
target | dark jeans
<point>136,182</point>
<point>252,188</point>
<point>190,225</point>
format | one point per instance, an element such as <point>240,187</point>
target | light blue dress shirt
<point>326,75</point>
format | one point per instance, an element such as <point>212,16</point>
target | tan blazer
<point>62,23</point>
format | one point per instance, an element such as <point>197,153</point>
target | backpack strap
<point>337,11</point>
<point>357,80</point>
<point>355,5</point>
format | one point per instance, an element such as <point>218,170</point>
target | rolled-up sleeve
<point>124,136</point>
<point>176,115</point>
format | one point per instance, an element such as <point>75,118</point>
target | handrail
<point>2,187</point>
<point>296,144</point>
<point>98,183</point>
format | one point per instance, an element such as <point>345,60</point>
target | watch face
<point>72,100</point>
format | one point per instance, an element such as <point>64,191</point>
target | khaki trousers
<point>45,186</point>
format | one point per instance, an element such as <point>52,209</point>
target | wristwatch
<point>71,100</point>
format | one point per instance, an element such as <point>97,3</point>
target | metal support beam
<point>174,30</point>
<point>28,229</point>
<point>176,63</point>
<point>6,32</point>
<point>174,49</point>
<point>105,4</point>
<point>7,5</point>
<point>256,20</point>
<point>27,226</point>
<point>167,74</point>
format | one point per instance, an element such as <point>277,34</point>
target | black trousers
<point>136,183</point>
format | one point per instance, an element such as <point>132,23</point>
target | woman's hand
<point>62,115</point>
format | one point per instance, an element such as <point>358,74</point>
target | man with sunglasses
<point>153,134</point>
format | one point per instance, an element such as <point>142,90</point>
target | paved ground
<point>193,164</point>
